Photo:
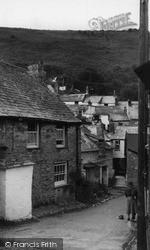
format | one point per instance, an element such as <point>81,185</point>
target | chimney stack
<point>41,71</point>
<point>125,110</point>
<point>87,90</point>
<point>111,127</point>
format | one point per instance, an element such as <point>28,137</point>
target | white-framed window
<point>33,135</point>
<point>60,174</point>
<point>117,145</point>
<point>60,136</point>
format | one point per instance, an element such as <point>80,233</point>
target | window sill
<point>60,185</point>
<point>60,147</point>
<point>32,147</point>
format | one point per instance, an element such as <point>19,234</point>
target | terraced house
<point>39,144</point>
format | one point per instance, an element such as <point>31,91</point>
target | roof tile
<point>24,96</point>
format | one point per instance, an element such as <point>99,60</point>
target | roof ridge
<point>12,65</point>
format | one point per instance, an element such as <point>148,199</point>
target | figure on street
<point>131,194</point>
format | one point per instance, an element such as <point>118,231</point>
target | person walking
<point>131,194</point>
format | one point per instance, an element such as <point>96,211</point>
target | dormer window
<point>33,135</point>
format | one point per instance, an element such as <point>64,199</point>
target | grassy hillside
<point>101,59</point>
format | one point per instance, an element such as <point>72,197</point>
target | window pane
<point>32,138</point>
<point>32,126</point>
<point>60,138</point>
<point>60,173</point>
<point>59,142</point>
<point>59,134</point>
<point>33,135</point>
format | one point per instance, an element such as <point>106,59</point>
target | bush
<point>112,182</point>
<point>87,191</point>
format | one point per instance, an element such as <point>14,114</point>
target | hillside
<point>102,60</point>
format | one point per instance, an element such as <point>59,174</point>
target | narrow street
<point>95,228</point>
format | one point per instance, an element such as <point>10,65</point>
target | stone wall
<point>44,157</point>
<point>109,163</point>
<point>132,167</point>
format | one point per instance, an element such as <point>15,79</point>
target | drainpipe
<point>77,158</point>
<point>142,129</point>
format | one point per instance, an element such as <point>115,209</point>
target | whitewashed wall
<point>105,120</point>
<point>16,193</point>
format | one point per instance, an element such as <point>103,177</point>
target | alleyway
<point>95,228</point>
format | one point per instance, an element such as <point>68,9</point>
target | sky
<point>62,14</point>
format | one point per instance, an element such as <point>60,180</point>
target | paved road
<point>95,228</point>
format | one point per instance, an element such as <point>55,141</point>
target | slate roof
<point>72,97</point>
<point>100,99</point>
<point>120,132</point>
<point>90,110</point>
<point>21,95</point>
<point>87,145</point>
<point>96,131</point>
<point>76,108</point>
<point>114,112</point>
<point>93,99</point>
<point>108,99</point>
<point>89,141</point>
<point>107,145</point>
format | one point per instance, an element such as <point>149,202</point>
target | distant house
<point>117,138</point>
<point>78,110</point>
<point>40,144</point>
<point>71,99</point>
<point>106,114</point>
<point>108,100</point>
<point>89,112</point>
<point>100,100</point>
<point>131,108</point>
<point>92,100</point>
<point>96,156</point>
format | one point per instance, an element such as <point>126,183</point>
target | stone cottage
<point>39,144</point>
<point>96,156</point>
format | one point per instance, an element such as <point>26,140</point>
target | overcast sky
<point>62,14</point>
